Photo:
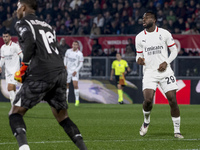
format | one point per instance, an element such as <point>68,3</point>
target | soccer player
<point>42,73</point>
<point>119,66</point>
<point>152,52</point>
<point>73,61</point>
<point>10,56</point>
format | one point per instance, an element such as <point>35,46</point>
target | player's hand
<point>140,61</point>
<point>73,74</point>
<point>111,78</point>
<point>129,69</point>
<point>0,70</point>
<point>162,67</point>
<point>20,75</point>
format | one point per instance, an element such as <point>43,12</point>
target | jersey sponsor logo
<point>153,50</point>
<point>72,59</point>
<point>8,57</point>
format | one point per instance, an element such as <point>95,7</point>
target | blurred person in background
<point>112,51</point>
<point>63,46</point>
<point>119,68</point>
<point>10,56</point>
<point>95,30</point>
<point>96,47</point>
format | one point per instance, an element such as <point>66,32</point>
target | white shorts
<point>10,79</point>
<point>167,83</point>
<point>73,78</point>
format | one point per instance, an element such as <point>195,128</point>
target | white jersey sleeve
<point>169,39</point>
<point>80,64</point>
<point>171,45</point>
<point>66,58</point>
<point>18,51</point>
<point>2,57</point>
<point>139,48</point>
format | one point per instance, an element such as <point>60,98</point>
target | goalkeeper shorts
<point>32,92</point>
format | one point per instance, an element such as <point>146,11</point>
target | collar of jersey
<point>10,43</point>
<point>156,30</point>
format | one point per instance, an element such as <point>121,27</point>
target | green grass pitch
<point>105,127</point>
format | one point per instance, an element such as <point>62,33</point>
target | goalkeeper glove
<point>20,75</point>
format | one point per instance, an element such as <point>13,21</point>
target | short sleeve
<point>2,52</point>
<point>113,65</point>
<point>126,64</point>
<point>169,39</point>
<point>66,53</point>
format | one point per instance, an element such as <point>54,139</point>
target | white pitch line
<point>136,140</point>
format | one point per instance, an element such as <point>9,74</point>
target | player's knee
<point>148,101</point>
<point>147,104</point>
<point>119,86</point>
<point>172,99</point>
<point>75,86</point>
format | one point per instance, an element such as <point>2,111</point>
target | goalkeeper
<point>119,66</point>
<point>43,75</point>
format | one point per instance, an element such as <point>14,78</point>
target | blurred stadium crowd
<point>95,17</point>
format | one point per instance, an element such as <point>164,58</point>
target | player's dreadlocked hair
<point>31,3</point>
<point>153,14</point>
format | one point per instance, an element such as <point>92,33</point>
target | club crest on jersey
<point>22,30</point>
<point>160,37</point>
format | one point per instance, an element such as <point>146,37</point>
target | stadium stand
<point>120,17</point>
